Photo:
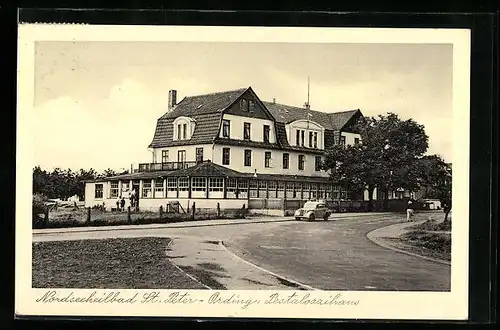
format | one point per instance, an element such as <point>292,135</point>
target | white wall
<point>190,152</point>
<point>256,128</point>
<point>89,197</point>
<point>237,161</point>
<point>349,137</point>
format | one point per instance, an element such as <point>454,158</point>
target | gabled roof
<point>286,114</point>
<point>205,109</point>
<point>204,104</point>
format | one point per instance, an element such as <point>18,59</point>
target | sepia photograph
<point>260,172</point>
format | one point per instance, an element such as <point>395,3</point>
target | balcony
<point>168,166</point>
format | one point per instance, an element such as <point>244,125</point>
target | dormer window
<point>305,133</point>
<point>183,128</point>
<point>251,106</point>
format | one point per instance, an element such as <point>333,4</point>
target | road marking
<point>182,271</point>
<point>221,243</point>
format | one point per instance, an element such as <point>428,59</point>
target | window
<point>172,184</point>
<point>225,156</point>
<point>302,160</point>
<point>356,141</point>
<point>315,140</point>
<point>184,131</point>
<point>181,156</point>
<point>225,128</point>
<point>317,163</point>
<point>281,189</point>
<point>271,186</point>
<point>286,161</point>
<point>251,106</point>
<point>266,133</point>
<point>164,156</point>
<point>231,188</point>
<point>216,184</point>
<point>243,105</point>
<point>242,188</point>
<point>342,140</point>
<point>146,189</point>
<point>159,188</point>
<point>114,189</point>
<point>310,139</point>
<point>179,127</point>
<point>302,138</point>
<point>199,155</point>
<point>183,184</point>
<point>246,131</point>
<point>98,190</point>
<point>124,187</point>
<point>297,141</point>
<point>267,159</point>
<point>248,157</point>
<point>199,184</point>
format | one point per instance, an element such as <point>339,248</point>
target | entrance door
<point>136,187</point>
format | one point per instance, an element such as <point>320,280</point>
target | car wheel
<point>312,217</point>
<point>297,218</point>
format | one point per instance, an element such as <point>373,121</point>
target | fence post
<point>218,210</point>
<point>194,210</point>
<point>88,215</point>
<point>46,217</point>
<point>129,216</point>
<point>161,211</point>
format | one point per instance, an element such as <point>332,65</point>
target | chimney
<point>172,99</point>
<point>274,100</point>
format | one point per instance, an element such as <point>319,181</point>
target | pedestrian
<point>132,197</point>
<point>409,211</point>
<point>118,204</point>
<point>122,204</point>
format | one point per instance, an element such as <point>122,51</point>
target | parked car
<point>312,211</point>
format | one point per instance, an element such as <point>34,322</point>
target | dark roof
<point>208,169</point>
<point>204,109</point>
<point>286,114</point>
<point>204,104</point>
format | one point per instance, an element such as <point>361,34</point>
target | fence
<point>64,217</point>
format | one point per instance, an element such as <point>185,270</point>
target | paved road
<point>336,255</point>
<point>333,255</point>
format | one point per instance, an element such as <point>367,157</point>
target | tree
<point>436,177</point>
<point>384,159</point>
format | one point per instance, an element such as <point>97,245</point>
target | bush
<point>39,208</point>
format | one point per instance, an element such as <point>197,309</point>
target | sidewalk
<point>377,236</point>
<point>189,224</point>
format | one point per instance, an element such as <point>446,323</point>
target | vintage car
<point>313,210</point>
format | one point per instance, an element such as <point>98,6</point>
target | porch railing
<point>168,166</point>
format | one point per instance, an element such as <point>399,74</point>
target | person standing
<point>409,211</point>
<point>118,204</point>
<point>122,204</point>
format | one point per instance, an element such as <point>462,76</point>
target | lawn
<point>124,263</point>
<point>426,243</point>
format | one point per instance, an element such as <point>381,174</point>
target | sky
<point>96,103</point>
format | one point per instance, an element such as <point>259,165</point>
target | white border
<point>373,305</point>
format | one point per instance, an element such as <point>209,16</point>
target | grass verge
<point>122,263</point>
<point>432,225</point>
<point>429,244</point>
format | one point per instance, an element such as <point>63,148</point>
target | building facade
<point>233,149</point>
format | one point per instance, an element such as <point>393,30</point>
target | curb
<point>142,227</point>
<point>379,241</point>
<point>304,286</point>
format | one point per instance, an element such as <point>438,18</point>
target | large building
<point>233,149</point>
